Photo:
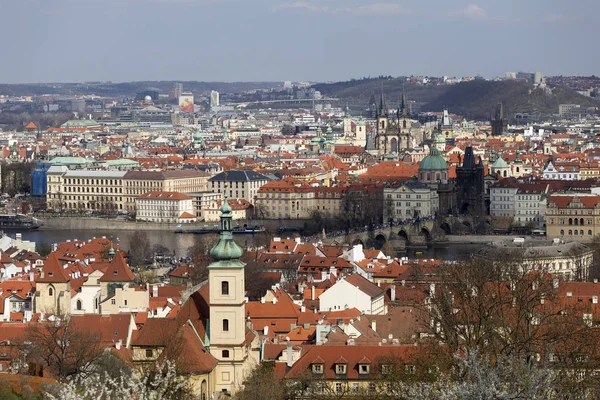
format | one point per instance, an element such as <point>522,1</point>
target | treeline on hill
<point>16,177</point>
<point>477,99</point>
<point>19,119</point>
<point>358,92</point>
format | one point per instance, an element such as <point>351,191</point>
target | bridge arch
<point>425,232</point>
<point>446,228</point>
<point>381,238</point>
<point>358,241</point>
<point>403,235</point>
<point>467,225</point>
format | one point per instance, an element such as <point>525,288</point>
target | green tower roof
<point>500,163</point>
<point>433,162</point>
<point>226,253</point>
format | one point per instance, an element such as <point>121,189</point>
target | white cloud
<point>304,5</point>
<point>552,17</point>
<point>369,10</point>
<point>472,11</point>
<point>376,9</point>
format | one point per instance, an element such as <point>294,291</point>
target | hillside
<point>477,99</point>
<point>357,92</point>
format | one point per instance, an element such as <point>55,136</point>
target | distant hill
<point>476,99</point>
<point>127,88</point>
<point>357,92</point>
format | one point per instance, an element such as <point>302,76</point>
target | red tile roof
<point>53,271</point>
<point>118,270</point>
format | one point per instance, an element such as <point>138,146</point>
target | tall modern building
<point>177,90</point>
<point>214,98</point>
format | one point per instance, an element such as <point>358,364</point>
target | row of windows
<point>73,181</point>
<point>575,233</point>
<point>92,189</point>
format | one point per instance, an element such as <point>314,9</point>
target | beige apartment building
<point>238,184</point>
<point>136,183</point>
<point>84,189</point>
<point>573,216</point>
<point>114,190</point>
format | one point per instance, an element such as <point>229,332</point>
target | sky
<point>277,40</point>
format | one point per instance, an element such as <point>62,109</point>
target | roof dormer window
<point>317,368</point>
<point>341,369</point>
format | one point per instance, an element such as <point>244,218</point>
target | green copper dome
<point>439,138</point>
<point>433,162</point>
<point>226,252</point>
<point>197,134</point>
<point>500,163</point>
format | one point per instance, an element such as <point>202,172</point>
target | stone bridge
<point>418,234</point>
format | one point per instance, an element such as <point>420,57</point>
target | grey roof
<point>82,173</point>
<point>168,174</point>
<point>238,175</point>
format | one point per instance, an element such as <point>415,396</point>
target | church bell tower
<point>227,327</point>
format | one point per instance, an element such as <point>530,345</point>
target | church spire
<point>404,104</point>
<point>226,248</point>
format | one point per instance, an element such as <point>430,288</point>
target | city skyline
<point>276,40</point>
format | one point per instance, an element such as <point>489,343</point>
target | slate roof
<point>238,176</point>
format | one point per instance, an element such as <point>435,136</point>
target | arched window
<point>504,173</point>
<point>570,232</point>
<point>575,232</point>
<point>225,325</point>
<point>581,221</point>
<point>576,221</point>
<point>79,305</point>
<point>50,292</point>
<point>581,232</point>
<point>590,232</point>
<point>570,221</point>
<point>562,232</point>
<point>225,288</point>
<point>225,354</point>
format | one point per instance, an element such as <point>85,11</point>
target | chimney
<point>303,309</point>
<point>374,325</point>
<point>31,276</point>
<point>290,356</point>
<point>118,345</point>
<point>393,293</point>
<point>262,300</point>
<point>312,293</point>
<point>595,299</point>
<point>432,289</point>
<point>274,300</point>
<point>155,291</point>
<point>555,283</point>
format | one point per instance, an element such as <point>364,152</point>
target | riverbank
<point>475,239</point>
<point>91,223</point>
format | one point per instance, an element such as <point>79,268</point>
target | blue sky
<point>251,40</point>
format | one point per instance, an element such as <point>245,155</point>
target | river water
<point>180,242</point>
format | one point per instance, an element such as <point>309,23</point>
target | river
<point>180,242</point>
